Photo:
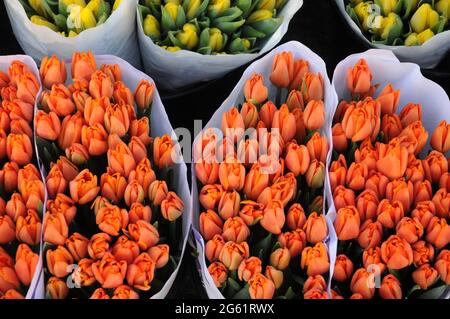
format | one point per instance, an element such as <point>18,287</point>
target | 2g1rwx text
<point>225,309</point>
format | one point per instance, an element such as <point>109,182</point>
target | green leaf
<point>410,291</point>
<point>289,294</point>
<point>434,293</point>
<point>243,293</point>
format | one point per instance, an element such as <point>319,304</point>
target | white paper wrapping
<point>427,55</point>
<point>263,66</point>
<point>407,78</point>
<point>174,70</point>
<point>160,125</point>
<point>35,291</point>
<point>116,36</point>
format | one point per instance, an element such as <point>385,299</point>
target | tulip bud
<point>232,254</point>
<point>249,268</point>
<point>315,174</point>
<point>347,223</point>
<point>261,287</point>
<point>343,268</point>
<point>423,253</point>
<point>315,260</point>
<point>219,273</point>
<point>359,78</point>
<point>425,276</point>
<point>109,272</point>
<point>275,275</point>
<point>57,288</point>
<point>255,91</point>
<point>151,27</point>
<point>172,207</point>
<point>111,219</point>
<point>58,261</point>
<point>144,233</point>
<point>424,18</point>
<point>396,253</point>
<point>442,265</point>
<point>390,288</point>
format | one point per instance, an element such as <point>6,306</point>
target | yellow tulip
<point>172,9</point>
<point>152,27</point>
<point>363,11</point>
<point>116,5</point>
<point>443,7</point>
<point>260,15</point>
<point>267,4</point>
<point>189,36</point>
<point>173,49</point>
<point>424,36</point>
<point>247,44</point>
<point>94,6</point>
<point>215,40</point>
<point>87,18</point>
<point>387,23</point>
<point>411,39</point>
<point>192,8</point>
<point>217,7</point>
<point>425,17</point>
<point>387,6</point>
<point>38,7</point>
<point>42,21</point>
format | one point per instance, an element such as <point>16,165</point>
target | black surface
<point>317,25</point>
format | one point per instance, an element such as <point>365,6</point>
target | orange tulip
<point>295,217</point>
<point>113,186</point>
<point>249,114</point>
<point>48,125</point>
<point>232,174</point>
<point>160,255</point>
<point>71,128</point>
<point>15,207</point>
<point>83,65</point>
<point>139,212</point>
<point>213,247</point>
<point>312,87</point>
<point>9,177</point>
<point>248,151</point>
<point>389,99</point>
<point>338,172</point>
<point>360,122</point>
<point>391,126</point>
<point>316,293</point>
<point>172,207</point>
<point>233,124</point>
<point>249,268</point>
<point>99,245</point>
<point>343,268</point>
<point>26,263</point>
<point>8,279</point>
<point>21,127</point>
<point>141,272</point>
<point>19,149</point>
<point>122,93</point>
<point>370,234</point>
<point>442,265</point>
<point>440,139</point>
<point>4,79</point>
<point>363,283</point>
<point>55,182</point>
<point>58,261</point>
<point>425,276</point>
<point>219,273</point>
<point>134,193</point>
<point>157,192</point>
<point>9,93</point>
<point>409,229</point>
<point>143,173</point>
<point>424,212</point>
<point>441,201</point>
<point>111,219</point>
<point>367,204</point>
<point>28,228</point>
<point>144,233</point>
<point>390,288</point>
<point>392,159</point>
<point>414,170</point>
<point>121,160</point>
<point>315,282</point>
<point>298,158</point>
<point>343,197</point>
<point>63,204</point>
<point>367,155</point>
<point>113,71</point>
<point>210,195</point>
<point>7,229</point>
<point>422,191</point>
<point>144,94</point>
<point>27,87</point>
<point>273,217</point>
<point>94,138</point>
<point>280,258</point>
<point>314,115</point>
<point>100,85</point>
<point>109,272</point>
<point>117,120</point>
<point>52,71</point>
<point>410,113</point>
<point>251,212</point>
<point>16,69</point>
<point>55,230</point>
<point>33,193</point>
<point>229,204</point>
<point>356,176</point>
<point>294,241</point>
<point>396,253</point>
<point>83,188</point>
<point>57,288</point>
<point>438,232</point>
<point>83,275</point>
<point>284,121</point>
<point>282,69</point>
<point>254,89</point>
<point>377,182</point>
<point>232,254</point>
<point>100,293</point>
<point>434,166</point>
<point>12,294</point>
<point>125,292</point>
<point>315,174</point>
<point>301,67</point>
<point>59,100</point>
<point>295,100</point>
<point>266,113</point>
<point>94,110</point>
<point>340,142</point>
<point>347,223</point>
<point>318,147</point>
<point>164,151</point>
<point>207,172</point>
<point>417,134</point>
<point>315,259</point>
<point>261,287</point>
<point>141,129</point>
<point>300,133</point>
<point>423,253</point>
<point>274,275</point>
<point>390,213</point>
<point>359,78</point>
<point>402,191</point>
<point>80,98</point>
<point>77,244</point>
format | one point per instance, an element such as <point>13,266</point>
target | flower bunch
<point>261,180</point>
<point>400,22</point>
<point>391,199</point>
<point>22,191</point>
<point>111,225</point>
<point>69,17</point>
<point>210,26</point>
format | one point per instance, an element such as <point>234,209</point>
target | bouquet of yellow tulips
<point>69,17</point>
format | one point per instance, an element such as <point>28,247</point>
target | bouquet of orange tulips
<point>391,190</point>
<point>22,191</point>
<point>261,182</point>
<point>112,227</point>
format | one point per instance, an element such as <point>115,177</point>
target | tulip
<point>164,151</point>
<point>390,288</point>
<point>101,85</point>
<point>55,182</point>
<point>438,232</point>
<point>94,139</point>
<point>280,258</point>
<point>94,110</point>
<point>249,268</point>
<point>109,272</point>
<point>83,188</point>
<point>414,137</point>
<point>315,259</point>
<point>440,139</point>
<point>424,212</point>
<point>367,204</point>
<point>442,265</point>
<point>52,71</point>
<point>298,158</point>
<point>232,254</point>
<point>390,213</point>
<point>152,27</point>
<point>370,234</point>
<point>77,244</point>
<point>282,69</point>
<point>312,87</point>
<point>423,253</point>
<point>122,93</point>
<point>409,229</point>
<point>157,192</point>
<point>60,100</point>
<point>4,80</point>
<point>233,124</point>
<point>295,217</point>
<point>402,191</point>
<point>314,282</point>
<point>113,71</point>
<point>358,123</point>
<point>391,126</point>
<point>271,165</point>
<point>139,212</point>
<point>434,166</point>
<point>213,247</point>
<point>9,176</point>
<point>7,229</point>
<point>48,125</point>
<point>267,113</point>
<point>315,293</point>
<point>284,121</point>
<point>441,201</point>
<point>343,268</point>
<point>28,228</point>
<point>314,115</point>
<point>15,207</point>
<point>389,99</point>
<point>219,273</point>
<point>347,223</point>
<point>396,253</point>
<point>124,292</point>
<point>67,168</point>
<point>359,78</point>
<point>172,207</point>
<point>255,91</point>
<point>414,171</point>
<point>27,87</point>
<point>134,193</point>
<point>232,174</point>
<point>275,275</point>
<point>261,287</point>
<point>113,186</point>
<point>340,142</point>
<point>273,217</point>
<point>410,113</point>
<point>8,279</point>
<point>58,261</point>
<point>121,160</point>
<point>425,276</point>
<point>144,233</point>
<point>424,17</point>
<point>249,114</point>
<point>343,197</point>
<point>392,160</point>
<point>57,288</point>
<point>251,212</point>
<point>315,174</point>
<point>99,245</point>
<point>422,191</point>
<point>247,152</point>
<point>111,219</point>
<point>356,176</point>
<point>117,120</point>
<point>160,254</point>
<point>363,283</point>
<point>83,275</point>
<point>294,241</point>
<point>19,149</point>
<point>100,293</point>
<point>71,131</point>
<point>143,94</point>
<point>80,98</point>
<point>377,182</point>
<point>62,204</point>
<point>229,204</point>
<point>55,230</point>
<point>141,272</point>
<point>210,195</point>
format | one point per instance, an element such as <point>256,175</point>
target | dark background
<point>317,25</point>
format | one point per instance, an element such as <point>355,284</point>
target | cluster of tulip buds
<point>400,22</point>
<point>210,26</point>
<point>69,17</point>
<point>22,191</point>
<point>111,224</point>
<point>392,200</point>
<point>261,180</point>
